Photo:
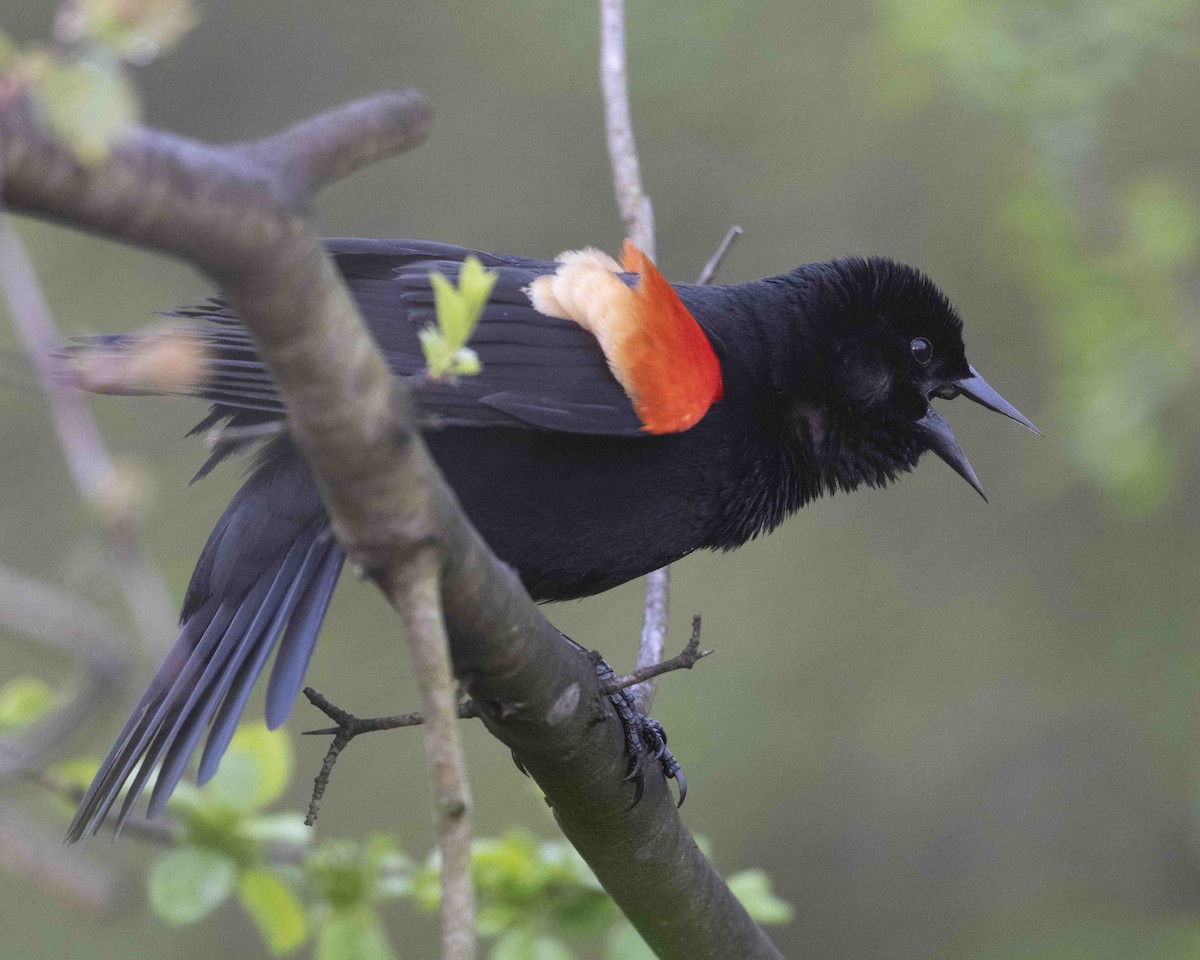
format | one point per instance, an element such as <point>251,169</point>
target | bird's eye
<point>922,350</point>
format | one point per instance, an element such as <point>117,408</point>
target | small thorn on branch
<point>348,727</point>
<point>683,661</point>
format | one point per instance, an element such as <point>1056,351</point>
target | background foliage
<point>944,730</point>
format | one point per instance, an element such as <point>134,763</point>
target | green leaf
<point>458,310</point>
<point>22,701</point>
<point>353,935</point>
<point>451,308</point>
<point>255,770</point>
<point>274,909</point>
<point>187,884</point>
<point>510,867</point>
<point>524,943</point>
<point>753,889</point>
<point>625,943</point>
<point>475,284</point>
<point>88,102</point>
<point>345,875</point>
<point>137,30</point>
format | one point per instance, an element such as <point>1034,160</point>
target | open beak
<point>979,390</point>
<point>941,441</point>
<point>940,437</point>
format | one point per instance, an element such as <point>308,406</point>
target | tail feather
<point>107,783</point>
<point>268,571</point>
<point>230,711</point>
<point>180,738</point>
<point>296,648</point>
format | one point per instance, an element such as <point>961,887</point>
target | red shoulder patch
<point>654,346</point>
<point>670,365</point>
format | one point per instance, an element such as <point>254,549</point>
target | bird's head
<point>880,343</point>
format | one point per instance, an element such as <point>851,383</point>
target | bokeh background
<point>946,729</point>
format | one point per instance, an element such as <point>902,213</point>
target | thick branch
<point>237,220</point>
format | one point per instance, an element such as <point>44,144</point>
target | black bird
<point>618,424</point>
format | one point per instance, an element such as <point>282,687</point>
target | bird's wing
<point>538,371</point>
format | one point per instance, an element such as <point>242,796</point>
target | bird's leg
<point>645,739</point>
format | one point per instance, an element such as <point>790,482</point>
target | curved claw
<point>520,765</point>
<point>660,747</point>
<point>682,781</point>
<point>636,772</point>
<point>639,787</point>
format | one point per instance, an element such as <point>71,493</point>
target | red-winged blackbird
<point>617,425</point>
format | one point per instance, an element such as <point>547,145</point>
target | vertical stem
<point>635,206</point>
<point>638,215</point>
<point>654,632</point>
<point>419,602</point>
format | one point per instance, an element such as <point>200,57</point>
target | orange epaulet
<point>654,346</point>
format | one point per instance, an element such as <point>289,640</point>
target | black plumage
<point>828,372</point>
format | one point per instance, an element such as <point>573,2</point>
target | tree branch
<point>96,477</point>
<point>45,615</point>
<point>235,214</point>
<point>634,204</point>
<point>419,594</point>
<point>681,661</point>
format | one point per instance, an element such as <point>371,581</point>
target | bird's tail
<point>267,571</point>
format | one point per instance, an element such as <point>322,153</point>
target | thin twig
<point>45,615</point>
<point>425,630</point>
<point>658,583</point>
<point>91,467</point>
<point>682,661</point>
<point>467,710</point>
<point>709,273</point>
<point>638,214</point>
<point>635,206</point>
<point>654,632</point>
<point>348,727</point>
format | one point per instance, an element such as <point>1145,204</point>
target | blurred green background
<point>946,729</point>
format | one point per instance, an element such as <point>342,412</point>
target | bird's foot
<point>645,738</point>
